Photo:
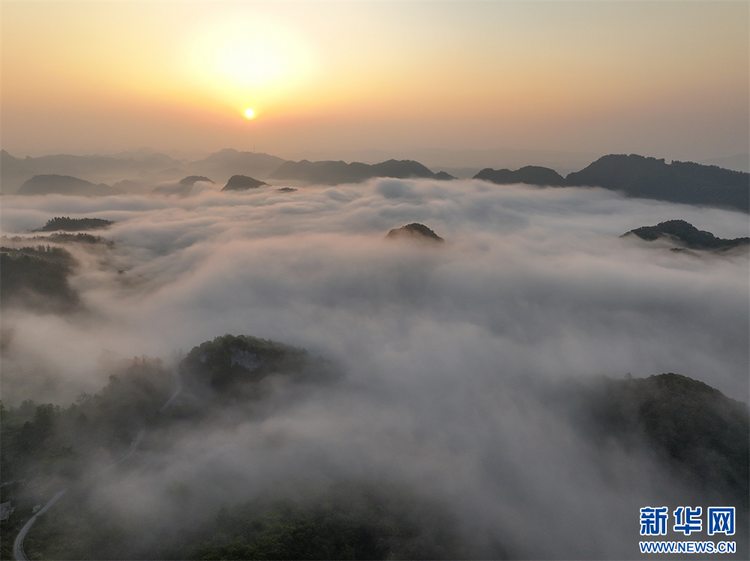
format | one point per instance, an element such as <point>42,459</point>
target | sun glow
<point>251,58</point>
<point>249,113</point>
<point>251,63</point>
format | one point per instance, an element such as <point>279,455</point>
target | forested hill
<point>696,429</point>
<point>678,182</point>
<point>687,235</point>
<point>37,278</point>
<point>699,435</point>
<point>68,224</point>
<point>643,177</point>
<point>531,175</point>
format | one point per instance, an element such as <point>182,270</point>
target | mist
<point>447,351</point>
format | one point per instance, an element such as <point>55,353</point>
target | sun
<point>249,113</point>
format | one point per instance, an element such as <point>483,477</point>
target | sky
<point>664,79</point>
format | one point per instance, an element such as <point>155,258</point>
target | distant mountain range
<point>633,175</point>
<point>333,173</point>
<point>65,185</point>
<point>134,173</point>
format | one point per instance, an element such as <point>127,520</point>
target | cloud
<point>445,348</point>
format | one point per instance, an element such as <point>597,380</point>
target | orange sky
<point>668,79</point>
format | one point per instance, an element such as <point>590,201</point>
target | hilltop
<point>686,235</point>
<point>414,231</point>
<point>242,183</point>
<point>531,175</point>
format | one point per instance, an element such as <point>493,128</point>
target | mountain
<point>694,427</point>
<point>142,169</point>
<point>37,278</point>
<point>642,177</point>
<point>678,182</point>
<point>463,163</point>
<point>242,183</point>
<point>191,180</point>
<point>233,365</point>
<point>183,188</point>
<point>65,185</point>
<point>414,231</point>
<point>228,162</point>
<point>102,169</point>
<point>132,187</point>
<point>532,175</point>
<point>333,173</point>
<point>687,235</point>
<point>13,172</point>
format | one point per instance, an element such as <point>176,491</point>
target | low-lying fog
<point>442,346</point>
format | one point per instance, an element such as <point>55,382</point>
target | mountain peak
<point>415,230</point>
<point>242,183</point>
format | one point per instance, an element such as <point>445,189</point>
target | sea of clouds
<point>445,348</point>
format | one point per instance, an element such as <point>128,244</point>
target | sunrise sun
<point>249,113</point>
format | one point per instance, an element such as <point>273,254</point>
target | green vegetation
<point>49,440</point>
<point>68,224</point>
<point>76,530</point>
<point>45,448</point>
<point>348,521</point>
<point>695,428</point>
<point>37,277</point>
<point>53,447</point>
<point>63,238</point>
<point>232,365</point>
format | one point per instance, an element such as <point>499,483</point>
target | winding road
<point>18,553</point>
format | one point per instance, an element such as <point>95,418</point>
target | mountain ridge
<point>633,175</point>
<point>643,177</point>
<point>331,172</point>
